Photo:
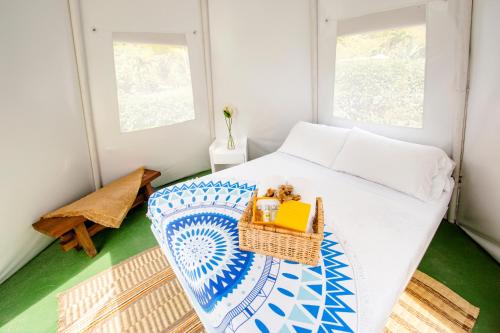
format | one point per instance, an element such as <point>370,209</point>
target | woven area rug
<point>142,294</point>
<point>429,306</point>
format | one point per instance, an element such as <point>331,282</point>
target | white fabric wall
<point>261,64</point>
<point>479,212</point>
<point>44,156</point>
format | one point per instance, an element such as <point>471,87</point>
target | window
<point>379,76</point>
<point>154,84</point>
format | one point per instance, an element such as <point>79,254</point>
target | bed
<point>375,236</point>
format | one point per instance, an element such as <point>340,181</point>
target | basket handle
<point>247,213</point>
<point>319,216</point>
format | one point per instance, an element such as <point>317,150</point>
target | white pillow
<point>418,170</point>
<point>316,143</point>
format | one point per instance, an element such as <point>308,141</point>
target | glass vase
<point>230,141</point>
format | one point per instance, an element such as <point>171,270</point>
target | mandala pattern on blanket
<point>239,291</point>
<point>205,248</point>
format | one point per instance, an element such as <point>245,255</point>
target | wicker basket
<point>279,242</point>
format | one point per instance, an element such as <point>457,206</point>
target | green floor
<point>455,260</point>
<point>28,299</point>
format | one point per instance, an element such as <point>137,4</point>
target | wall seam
<point>80,60</point>
<point>207,51</point>
<point>314,59</point>
<point>458,172</point>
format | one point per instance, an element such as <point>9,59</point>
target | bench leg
<point>148,189</point>
<point>83,238</point>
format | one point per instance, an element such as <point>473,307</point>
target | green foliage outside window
<point>379,77</point>
<point>154,85</point>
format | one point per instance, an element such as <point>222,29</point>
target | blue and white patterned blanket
<point>237,291</point>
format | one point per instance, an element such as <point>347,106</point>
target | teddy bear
<point>283,193</point>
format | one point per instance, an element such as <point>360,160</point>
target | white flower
<point>228,112</point>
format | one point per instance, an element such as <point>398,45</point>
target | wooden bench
<point>76,232</point>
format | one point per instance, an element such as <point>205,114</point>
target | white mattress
<point>384,233</point>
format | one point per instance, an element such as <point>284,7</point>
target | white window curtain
<point>447,37</point>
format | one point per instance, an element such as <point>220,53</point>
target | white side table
<point>220,155</point>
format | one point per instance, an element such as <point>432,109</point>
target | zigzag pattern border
<point>334,305</point>
<point>202,184</point>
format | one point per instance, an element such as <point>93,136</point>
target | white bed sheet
<point>384,233</point>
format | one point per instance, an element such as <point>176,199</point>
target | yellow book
<point>293,215</point>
